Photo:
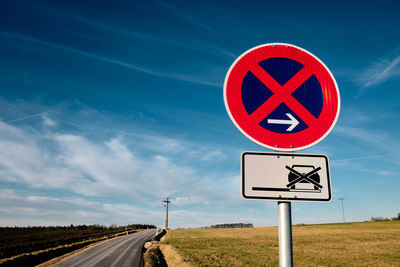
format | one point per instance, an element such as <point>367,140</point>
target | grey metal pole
<point>166,215</point>
<point>285,234</point>
<point>344,220</point>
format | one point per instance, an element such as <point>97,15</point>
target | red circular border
<point>310,136</point>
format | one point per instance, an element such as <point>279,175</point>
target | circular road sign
<point>281,97</point>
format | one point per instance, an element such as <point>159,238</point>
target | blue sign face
<point>282,119</point>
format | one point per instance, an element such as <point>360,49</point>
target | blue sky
<point>107,108</point>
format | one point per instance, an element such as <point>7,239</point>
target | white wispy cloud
<point>18,208</point>
<point>177,76</point>
<point>47,121</point>
<point>184,16</point>
<point>193,45</point>
<point>373,146</point>
<point>366,157</point>
<point>41,210</point>
<point>189,45</point>
<point>41,114</point>
<point>377,139</point>
<point>357,164</point>
<point>381,71</point>
<point>353,115</point>
<point>51,158</point>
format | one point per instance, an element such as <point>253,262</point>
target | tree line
<point>231,225</point>
<point>378,219</point>
<point>76,227</point>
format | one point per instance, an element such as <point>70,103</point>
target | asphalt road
<point>121,251</point>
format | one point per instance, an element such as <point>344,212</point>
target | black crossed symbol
<point>303,177</point>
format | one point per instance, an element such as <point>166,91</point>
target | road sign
<point>286,176</point>
<point>281,97</point>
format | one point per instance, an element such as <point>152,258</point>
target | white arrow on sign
<point>292,122</point>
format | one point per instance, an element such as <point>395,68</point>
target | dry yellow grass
<point>352,244</point>
<point>172,257</point>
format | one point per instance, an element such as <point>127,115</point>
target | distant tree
<point>232,225</point>
<point>377,219</point>
<point>141,226</point>
<point>398,216</point>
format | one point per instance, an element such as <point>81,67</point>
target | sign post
<point>285,234</point>
<point>285,177</point>
<point>283,98</point>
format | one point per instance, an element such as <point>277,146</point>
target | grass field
<point>350,244</point>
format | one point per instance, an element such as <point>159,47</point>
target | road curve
<point>121,251</point>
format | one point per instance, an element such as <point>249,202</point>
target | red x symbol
<point>282,94</point>
<point>249,124</point>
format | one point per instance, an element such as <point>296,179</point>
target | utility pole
<point>342,198</point>
<point>166,217</point>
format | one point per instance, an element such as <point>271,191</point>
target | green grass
<point>350,244</point>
